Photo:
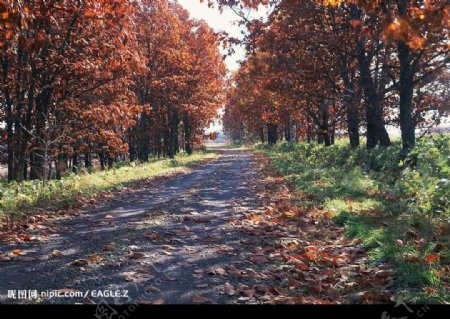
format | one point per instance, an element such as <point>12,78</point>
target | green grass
<point>398,209</point>
<point>16,199</point>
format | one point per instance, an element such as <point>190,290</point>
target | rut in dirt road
<point>169,242</point>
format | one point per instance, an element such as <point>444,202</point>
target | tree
<point>61,60</point>
<point>117,76</point>
<point>184,80</point>
<point>319,61</point>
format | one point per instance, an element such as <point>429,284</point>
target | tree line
<point>85,80</point>
<point>320,67</point>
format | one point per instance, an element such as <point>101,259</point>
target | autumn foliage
<point>102,80</point>
<point>319,68</point>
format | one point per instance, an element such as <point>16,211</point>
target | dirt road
<point>170,242</point>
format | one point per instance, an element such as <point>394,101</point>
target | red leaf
<point>431,258</point>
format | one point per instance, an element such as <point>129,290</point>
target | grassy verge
<point>398,209</point>
<point>15,199</point>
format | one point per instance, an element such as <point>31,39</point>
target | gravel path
<point>168,242</point>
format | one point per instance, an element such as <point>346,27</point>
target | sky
<point>225,21</point>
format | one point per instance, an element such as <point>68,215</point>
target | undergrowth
<point>399,209</point>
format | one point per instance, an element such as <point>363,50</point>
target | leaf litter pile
<point>304,252</point>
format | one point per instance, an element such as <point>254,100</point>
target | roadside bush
<point>398,208</point>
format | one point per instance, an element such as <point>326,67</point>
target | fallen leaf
<point>152,289</point>
<point>328,214</point>
<point>257,259</point>
<point>202,286</point>
<point>256,219</point>
<point>292,246</point>
<point>152,235</point>
<point>261,288</point>
<point>196,219</point>
<point>109,247</point>
<point>137,278</point>
<point>369,297</point>
<point>229,289</point>
<point>289,214</point>
<point>159,301</point>
<point>95,258</point>
<point>248,292</point>
<point>217,271</point>
<point>137,255</point>
<point>430,290</point>
<point>431,258</point>
<point>4,258</point>
<point>200,299</point>
<point>57,253</point>
<point>80,262</point>
<point>296,259</point>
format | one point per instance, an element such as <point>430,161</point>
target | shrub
<point>381,199</point>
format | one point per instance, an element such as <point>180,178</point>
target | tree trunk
<point>376,130</point>
<point>38,165</point>
<point>187,135</point>
<point>333,133</point>
<point>143,138</point>
<point>61,165</point>
<point>352,101</point>
<point>87,160</point>
<point>353,122</point>
<point>143,150</point>
<point>288,131</point>
<point>172,137</point>
<point>75,162</point>
<point>10,146</point>
<point>9,117</point>
<point>25,170</point>
<point>158,145</point>
<point>319,138</point>
<point>18,129</point>
<point>407,123</point>
<point>131,145</point>
<point>111,161</point>
<point>25,131</point>
<point>261,135</point>
<point>272,133</point>
<point>101,156</point>
<point>325,126</point>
